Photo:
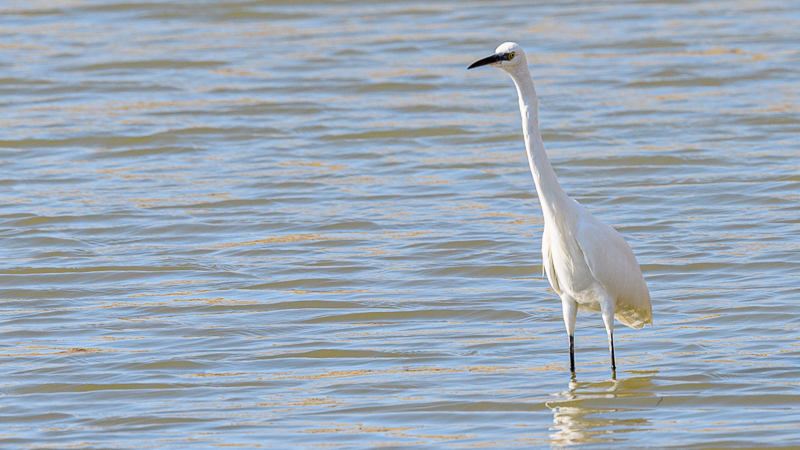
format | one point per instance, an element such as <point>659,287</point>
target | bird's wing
<point>547,260</point>
<point>614,266</point>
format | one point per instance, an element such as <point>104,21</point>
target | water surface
<point>305,224</point>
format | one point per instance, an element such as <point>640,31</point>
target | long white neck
<point>552,198</point>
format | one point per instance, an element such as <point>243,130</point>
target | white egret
<point>588,263</point>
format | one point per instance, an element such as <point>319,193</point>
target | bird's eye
<point>511,56</point>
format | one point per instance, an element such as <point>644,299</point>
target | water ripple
<point>249,223</point>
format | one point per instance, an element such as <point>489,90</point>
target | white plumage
<point>587,262</point>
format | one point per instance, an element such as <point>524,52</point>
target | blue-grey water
<point>304,224</point>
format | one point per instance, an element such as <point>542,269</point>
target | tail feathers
<point>634,319</point>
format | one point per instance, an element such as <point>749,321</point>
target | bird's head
<point>507,56</point>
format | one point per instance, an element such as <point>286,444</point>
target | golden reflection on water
<point>208,235</point>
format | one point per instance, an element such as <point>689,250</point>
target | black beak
<point>488,60</point>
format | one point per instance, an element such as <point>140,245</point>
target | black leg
<point>613,364</point>
<point>572,353</point>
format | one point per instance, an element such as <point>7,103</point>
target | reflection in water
<point>599,411</point>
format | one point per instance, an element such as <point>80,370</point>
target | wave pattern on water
<point>297,223</point>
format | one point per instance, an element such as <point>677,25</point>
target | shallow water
<point>305,224</point>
